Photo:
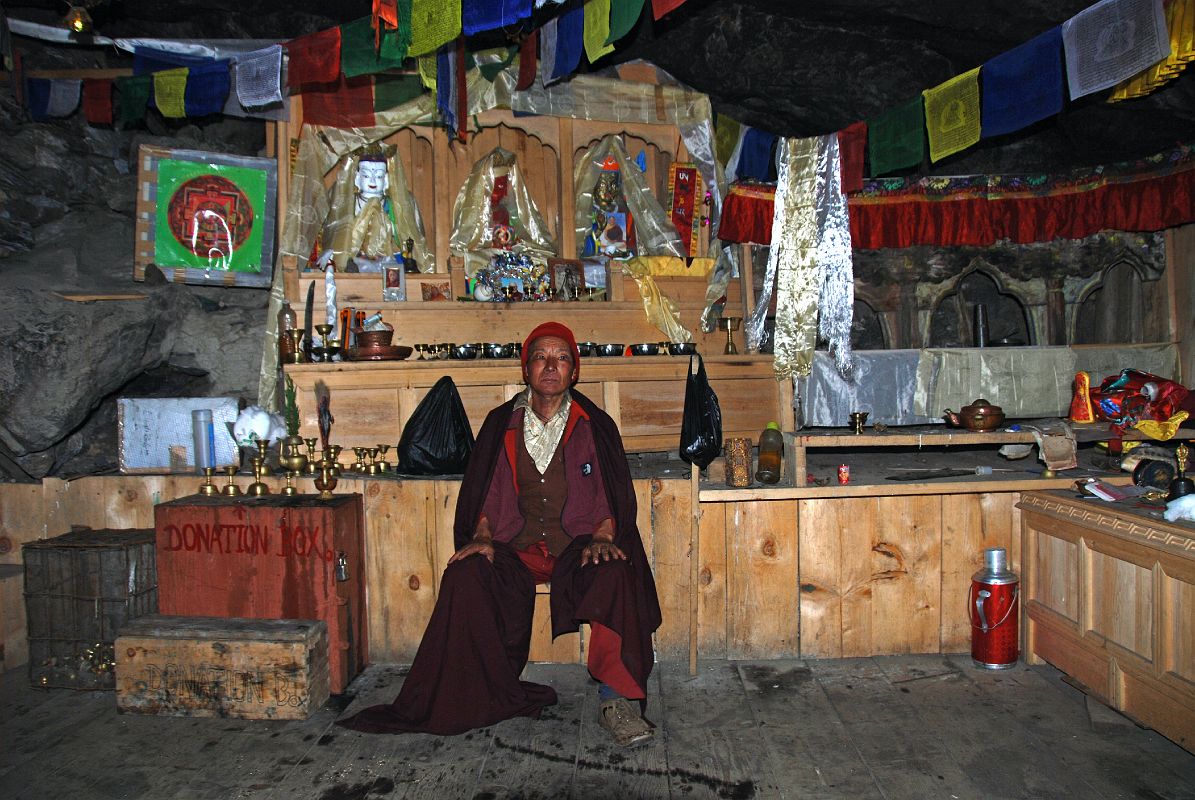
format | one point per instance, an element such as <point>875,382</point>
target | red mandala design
<point>205,201</point>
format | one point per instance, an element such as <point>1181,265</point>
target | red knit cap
<point>552,329</point>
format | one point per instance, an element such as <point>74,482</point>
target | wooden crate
<point>80,588</point>
<point>271,557</point>
<point>222,667</point>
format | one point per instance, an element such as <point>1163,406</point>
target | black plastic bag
<point>701,425</point>
<point>437,439</point>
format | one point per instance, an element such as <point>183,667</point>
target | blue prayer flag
<point>570,29</point>
<point>37,98</point>
<point>207,88</point>
<point>486,15</point>
<point>1023,85</point>
<point>755,156</point>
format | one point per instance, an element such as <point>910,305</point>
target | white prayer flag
<point>1113,40</point>
<point>64,97</point>
<point>259,77</point>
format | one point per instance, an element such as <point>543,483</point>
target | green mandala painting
<point>210,216</point>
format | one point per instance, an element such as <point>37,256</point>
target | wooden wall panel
<point>907,578</point>
<point>970,524</point>
<point>21,519</point>
<point>711,581</point>
<point>761,586</point>
<point>401,571</point>
<point>1122,605</point>
<point>820,526</point>
<point>670,515</point>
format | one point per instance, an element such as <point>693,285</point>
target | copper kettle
<point>979,416</point>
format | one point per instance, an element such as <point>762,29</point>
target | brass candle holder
<point>858,420</point>
<point>293,461</point>
<point>326,482</point>
<point>258,488</point>
<point>231,490</point>
<point>321,353</point>
<point>263,452</point>
<point>289,489</point>
<point>296,338</point>
<point>311,459</point>
<point>359,464</point>
<point>730,325</point>
<point>207,487</point>
<point>334,457</point>
<point>383,465</point>
<point>373,468</point>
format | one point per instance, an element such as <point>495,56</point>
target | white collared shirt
<point>542,438</point>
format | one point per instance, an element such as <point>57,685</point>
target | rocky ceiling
<point>790,66</point>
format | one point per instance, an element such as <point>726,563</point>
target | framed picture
<point>205,218</point>
<point>433,291</point>
<point>568,278</point>
<point>394,283</point>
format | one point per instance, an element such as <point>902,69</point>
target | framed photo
<point>567,277</point>
<point>394,283</point>
<point>434,291</point>
<point>205,218</point>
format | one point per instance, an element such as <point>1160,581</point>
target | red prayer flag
<point>852,150</point>
<point>97,101</point>
<point>347,104</point>
<point>527,61</point>
<point>661,7</point>
<point>314,58</point>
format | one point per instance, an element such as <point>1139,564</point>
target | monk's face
<point>550,366</point>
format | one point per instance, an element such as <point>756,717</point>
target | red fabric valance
<point>1149,195</point>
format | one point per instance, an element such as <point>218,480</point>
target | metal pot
<point>463,352</point>
<point>681,348</point>
<point>981,415</point>
<point>611,349</point>
<point>648,349</point>
<point>587,349</point>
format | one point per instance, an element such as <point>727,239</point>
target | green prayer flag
<point>896,138</point>
<point>358,55</point>
<point>391,91</point>
<point>623,16</point>
<point>493,69</point>
<point>132,97</point>
<point>726,136</point>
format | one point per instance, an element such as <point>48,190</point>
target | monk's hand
<point>601,549</point>
<point>483,546</point>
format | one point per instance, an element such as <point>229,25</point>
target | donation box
<point>271,557</point>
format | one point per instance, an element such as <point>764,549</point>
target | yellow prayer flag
<point>597,29</point>
<point>433,23</point>
<point>170,87</point>
<point>952,115</point>
<point>426,65</point>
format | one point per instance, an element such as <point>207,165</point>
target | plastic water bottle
<point>771,454</point>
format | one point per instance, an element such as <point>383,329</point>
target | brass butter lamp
<point>1182,485</point>
<point>730,325</point>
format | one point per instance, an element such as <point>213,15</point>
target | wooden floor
<point>895,727</point>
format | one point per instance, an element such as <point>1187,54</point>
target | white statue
<point>370,240</point>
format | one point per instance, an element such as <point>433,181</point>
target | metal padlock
<point>342,567</point>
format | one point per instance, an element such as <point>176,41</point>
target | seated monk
<point>546,496</point>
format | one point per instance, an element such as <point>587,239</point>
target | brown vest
<point>541,500</point>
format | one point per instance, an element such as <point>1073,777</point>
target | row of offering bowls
<point>468,352</point>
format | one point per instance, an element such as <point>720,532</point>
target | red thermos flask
<point>993,607</point>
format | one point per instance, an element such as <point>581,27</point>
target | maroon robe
<point>466,672</point>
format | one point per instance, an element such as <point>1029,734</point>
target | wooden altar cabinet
<point>1109,598</point>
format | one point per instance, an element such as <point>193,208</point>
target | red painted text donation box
<point>270,557</point>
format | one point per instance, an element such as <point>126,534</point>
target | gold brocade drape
<point>794,251</point>
<point>662,310</point>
